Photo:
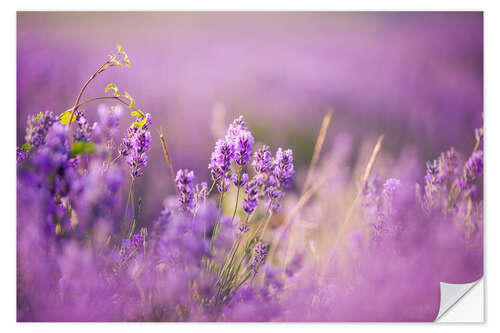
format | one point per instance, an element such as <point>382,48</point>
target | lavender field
<point>247,166</point>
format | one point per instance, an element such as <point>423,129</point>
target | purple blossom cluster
<point>82,257</point>
<point>184,181</point>
<point>379,207</point>
<point>109,122</point>
<point>136,145</point>
<point>272,174</point>
<point>235,148</point>
<point>474,166</point>
<point>38,127</point>
<point>76,261</point>
<point>259,256</point>
<point>83,130</point>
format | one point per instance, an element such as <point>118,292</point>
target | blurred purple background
<point>417,77</point>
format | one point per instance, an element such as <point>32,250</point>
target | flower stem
<point>75,107</point>
<point>237,195</point>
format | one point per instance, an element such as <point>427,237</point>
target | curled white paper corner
<point>451,293</point>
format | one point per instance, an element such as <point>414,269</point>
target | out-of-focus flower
<point>474,166</point>
<point>83,130</point>
<point>109,121</point>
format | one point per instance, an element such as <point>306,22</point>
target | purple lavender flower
<point>448,166</point>
<point>273,175</point>
<point>21,155</point>
<point>431,178</point>
<point>201,191</point>
<point>137,240</point>
<point>223,185</point>
<point>109,121</point>
<point>220,164</point>
<point>220,161</point>
<point>243,147</point>
<point>262,162</point>
<point>235,129</point>
<point>242,228</point>
<point>258,258</point>
<point>109,117</point>
<point>135,147</point>
<point>389,188</point>
<point>242,140</point>
<point>474,166</point>
<point>242,181</point>
<point>83,130</point>
<point>53,171</point>
<point>55,152</point>
<point>379,208</point>
<point>38,127</point>
<point>130,247</point>
<point>127,145</point>
<point>184,180</point>
<point>283,167</point>
<point>250,202</point>
<point>98,193</point>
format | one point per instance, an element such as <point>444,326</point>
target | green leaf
<point>113,87</point>
<point>136,113</point>
<point>139,124</point>
<point>82,148</point>
<point>26,147</point>
<point>64,117</point>
<point>38,116</point>
<point>130,99</point>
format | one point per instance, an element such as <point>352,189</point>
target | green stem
<point>130,201</point>
<point>115,98</point>
<point>237,196</point>
<point>211,188</point>
<point>75,107</point>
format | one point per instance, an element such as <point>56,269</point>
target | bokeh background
<point>417,77</point>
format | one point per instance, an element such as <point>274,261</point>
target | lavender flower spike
<point>474,165</point>
<point>250,202</point>
<point>135,146</point>
<point>38,127</point>
<point>262,160</point>
<point>83,130</point>
<point>390,187</point>
<point>283,167</point>
<point>259,256</point>
<point>184,181</point>
<point>220,161</point>
<point>242,140</point>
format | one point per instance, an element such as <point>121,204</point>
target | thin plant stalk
<point>368,170</point>
<point>169,160</point>
<point>317,149</point>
